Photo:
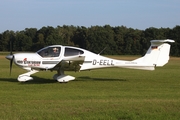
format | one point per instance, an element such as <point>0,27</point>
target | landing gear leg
<point>26,76</point>
<point>61,77</point>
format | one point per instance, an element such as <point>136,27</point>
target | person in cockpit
<point>55,52</point>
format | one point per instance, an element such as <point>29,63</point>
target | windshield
<point>50,52</point>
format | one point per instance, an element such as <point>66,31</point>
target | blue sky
<point>17,15</point>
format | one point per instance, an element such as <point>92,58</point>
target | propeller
<point>11,62</point>
<point>10,57</point>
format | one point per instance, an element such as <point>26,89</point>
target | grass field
<point>104,94</point>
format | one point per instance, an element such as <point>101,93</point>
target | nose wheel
<point>26,76</point>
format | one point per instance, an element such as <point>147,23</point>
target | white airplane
<point>60,58</point>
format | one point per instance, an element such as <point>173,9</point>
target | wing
<point>70,64</point>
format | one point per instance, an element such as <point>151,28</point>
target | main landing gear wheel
<point>63,78</point>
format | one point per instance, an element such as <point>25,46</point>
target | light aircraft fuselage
<point>62,58</point>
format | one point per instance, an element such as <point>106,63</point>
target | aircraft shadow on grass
<point>85,78</point>
<point>38,80</point>
<point>8,79</point>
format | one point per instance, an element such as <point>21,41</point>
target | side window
<point>50,52</point>
<point>72,52</point>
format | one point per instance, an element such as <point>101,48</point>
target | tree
<point>116,40</point>
<point>119,39</point>
<point>80,37</point>
<point>22,42</point>
<point>99,38</point>
<point>175,34</point>
<point>39,42</point>
<point>6,39</point>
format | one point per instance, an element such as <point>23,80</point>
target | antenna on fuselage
<point>102,50</point>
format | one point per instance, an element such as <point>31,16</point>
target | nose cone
<point>9,57</point>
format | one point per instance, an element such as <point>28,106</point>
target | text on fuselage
<point>29,63</point>
<point>103,62</point>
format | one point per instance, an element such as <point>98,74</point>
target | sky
<point>17,15</point>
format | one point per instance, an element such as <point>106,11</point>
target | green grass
<point>116,93</point>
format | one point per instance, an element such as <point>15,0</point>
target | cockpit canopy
<point>54,51</point>
<point>50,52</point>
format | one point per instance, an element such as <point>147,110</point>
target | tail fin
<point>157,54</point>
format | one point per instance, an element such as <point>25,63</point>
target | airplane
<point>61,58</point>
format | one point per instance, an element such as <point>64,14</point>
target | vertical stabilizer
<point>157,54</point>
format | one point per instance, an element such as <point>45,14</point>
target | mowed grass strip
<point>113,93</point>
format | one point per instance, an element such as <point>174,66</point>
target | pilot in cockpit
<point>55,52</point>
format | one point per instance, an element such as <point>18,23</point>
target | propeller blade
<point>11,62</point>
<point>11,56</point>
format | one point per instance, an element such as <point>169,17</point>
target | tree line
<point>118,40</point>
